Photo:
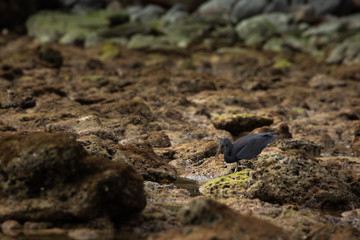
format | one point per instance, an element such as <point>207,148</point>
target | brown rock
<point>333,232</point>
<point>159,139</point>
<point>356,143</point>
<point>238,123</point>
<point>207,219</point>
<point>144,160</point>
<point>50,177</point>
<point>192,83</point>
<point>11,227</point>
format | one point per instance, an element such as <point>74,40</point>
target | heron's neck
<point>228,156</point>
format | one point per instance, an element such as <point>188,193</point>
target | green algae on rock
<point>50,177</point>
<point>295,178</point>
<point>238,123</point>
<point>232,185</point>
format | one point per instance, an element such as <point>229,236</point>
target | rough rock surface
<point>293,178</point>
<point>207,219</point>
<point>239,123</point>
<point>145,161</point>
<point>50,177</point>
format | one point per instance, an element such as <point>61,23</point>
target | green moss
<point>109,50</point>
<point>231,185</point>
<point>283,64</point>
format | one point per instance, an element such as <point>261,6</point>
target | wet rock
<point>239,123</point>
<point>11,227</point>
<point>10,73</point>
<point>176,14</point>
<point>181,36</point>
<point>277,6</point>
<point>83,126</point>
<point>346,51</point>
<point>147,14</point>
<point>325,82</point>
<point>326,28</point>
<point>323,6</point>
<point>356,142</point>
<point>192,83</point>
<point>49,57</point>
<point>74,29</point>
<point>144,160</point>
<point>258,29</point>
<point>195,152</point>
<point>83,234</point>
<point>166,193</point>
<point>157,218</point>
<point>159,140</point>
<point>50,177</point>
<point>333,231</point>
<point>216,8</point>
<point>33,226</point>
<point>15,99</point>
<point>351,218</point>
<point>226,186</point>
<point>293,178</point>
<point>283,131</point>
<point>207,219</point>
<point>246,8</point>
<point>135,109</point>
<point>305,14</point>
<point>350,72</point>
<point>126,30</point>
<point>306,146</point>
<point>96,145</point>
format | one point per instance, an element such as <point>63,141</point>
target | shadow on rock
<point>50,177</point>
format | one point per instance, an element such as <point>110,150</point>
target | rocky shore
<point>111,115</point>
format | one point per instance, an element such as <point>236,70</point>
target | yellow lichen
<point>282,64</point>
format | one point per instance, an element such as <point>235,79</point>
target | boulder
<point>145,161</point>
<point>50,177</point>
<point>246,8</point>
<point>206,219</point>
<point>258,29</point>
<point>239,123</point>
<point>293,178</point>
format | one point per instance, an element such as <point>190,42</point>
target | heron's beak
<point>218,150</point>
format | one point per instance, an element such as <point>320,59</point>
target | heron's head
<point>223,142</point>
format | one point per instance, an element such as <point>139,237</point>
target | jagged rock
<point>296,179</point>
<point>239,123</point>
<point>145,161</point>
<point>50,177</point>
<point>306,146</point>
<point>159,139</point>
<point>17,99</point>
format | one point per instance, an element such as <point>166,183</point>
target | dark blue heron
<point>247,147</point>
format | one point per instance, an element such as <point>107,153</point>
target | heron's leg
<point>236,168</point>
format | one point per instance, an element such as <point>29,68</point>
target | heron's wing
<point>254,146</point>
